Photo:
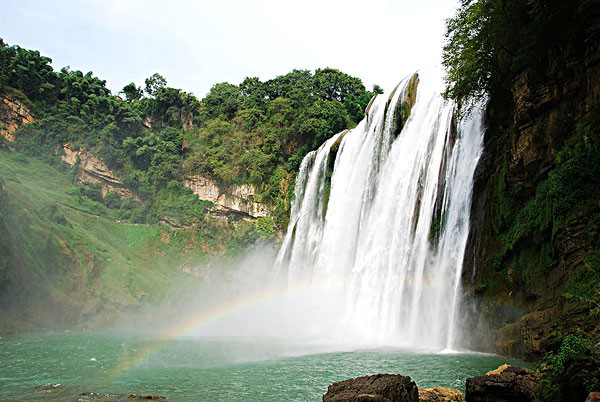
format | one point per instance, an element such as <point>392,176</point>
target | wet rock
<point>379,387</point>
<point>69,393</point>
<point>440,394</point>
<point>101,397</point>
<point>508,341</point>
<point>506,384</point>
<point>52,389</point>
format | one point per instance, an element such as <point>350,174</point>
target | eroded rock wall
<point>94,170</point>
<point>227,199</point>
<point>13,114</point>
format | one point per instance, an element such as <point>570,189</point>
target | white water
<point>386,279</point>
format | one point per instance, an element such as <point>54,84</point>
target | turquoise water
<point>224,369</point>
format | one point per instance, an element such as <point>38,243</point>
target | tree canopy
<point>488,42</point>
<point>255,132</point>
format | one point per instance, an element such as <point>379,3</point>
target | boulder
<point>379,387</point>
<point>440,394</point>
<point>506,384</point>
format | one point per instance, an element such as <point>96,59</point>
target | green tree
<point>489,42</point>
<point>331,84</point>
<point>131,92</point>
<point>154,83</point>
<point>222,100</point>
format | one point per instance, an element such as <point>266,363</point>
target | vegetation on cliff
<point>255,132</point>
<point>489,42</point>
<point>536,213</point>
<point>85,250</point>
<point>570,373</point>
<point>61,262</point>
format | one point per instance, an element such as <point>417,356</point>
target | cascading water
<point>386,229</point>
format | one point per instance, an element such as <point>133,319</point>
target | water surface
<point>212,369</point>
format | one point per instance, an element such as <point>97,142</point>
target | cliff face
<point>13,114</point>
<point>227,200</point>
<point>93,170</point>
<point>534,208</point>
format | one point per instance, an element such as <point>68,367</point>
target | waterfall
<point>382,216</point>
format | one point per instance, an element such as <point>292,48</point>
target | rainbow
<point>193,324</point>
<point>205,317</point>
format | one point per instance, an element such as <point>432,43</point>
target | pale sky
<point>196,44</point>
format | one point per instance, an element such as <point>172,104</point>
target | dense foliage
<point>532,235</point>
<point>255,132</point>
<point>489,41</point>
<point>553,384</point>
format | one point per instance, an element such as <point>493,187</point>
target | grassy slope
<point>60,261</point>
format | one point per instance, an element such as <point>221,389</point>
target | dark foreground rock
<point>373,388</point>
<point>507,384</point>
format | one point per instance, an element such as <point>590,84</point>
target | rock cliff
<point>94,170</point>
<point>227,199</point>
<point>533,211</point>
<point>13,114</point>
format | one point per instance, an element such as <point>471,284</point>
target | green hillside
<point>61,262</point>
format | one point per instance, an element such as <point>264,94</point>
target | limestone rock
<point>379,387</point>
<point>13,114</point>
<point>227,199</point>
<point>499,370</point>
<point>94,170</point>
<point>507,384</point>
<point>440,394</point>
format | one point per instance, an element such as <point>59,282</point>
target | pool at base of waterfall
<point>211,369</point>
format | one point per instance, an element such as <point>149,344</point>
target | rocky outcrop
<point>508,341</point>
<point>440,394</point>
<point>506,384</point>
<point>94,170</point>
<point>408,97</point>
<point>373,388</point>
<point>13,114</point>
<point>227,199</point>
